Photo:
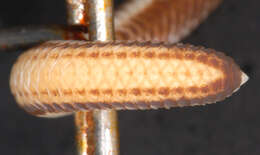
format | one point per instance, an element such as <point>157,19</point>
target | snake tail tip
<point>244,78</point>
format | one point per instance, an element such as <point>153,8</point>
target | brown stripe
<point>215,86</point>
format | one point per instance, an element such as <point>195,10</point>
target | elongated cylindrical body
<point>59,77</point>
<point>161,20</point>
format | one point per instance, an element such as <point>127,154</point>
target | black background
<point>227,128</point>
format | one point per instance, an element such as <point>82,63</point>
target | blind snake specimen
<point>60,77</point>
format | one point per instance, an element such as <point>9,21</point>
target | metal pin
<point>97,131</point>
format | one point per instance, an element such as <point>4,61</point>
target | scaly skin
<point>161,20</point>
<point>60,77</point>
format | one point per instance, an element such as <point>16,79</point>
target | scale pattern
<point>60,77</point>
<point>161,20</point>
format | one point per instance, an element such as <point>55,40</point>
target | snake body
<point>161,20</point>
<point>66,76</point>
<point>60,77</point>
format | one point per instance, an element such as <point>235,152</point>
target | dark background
<point>228,128</point>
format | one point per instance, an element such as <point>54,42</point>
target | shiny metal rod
<point>97,131</point>
<point>101,20</point>
<point>77,12</point>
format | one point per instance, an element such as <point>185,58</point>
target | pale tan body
<point>64,76</point>
<point>61,73</point>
